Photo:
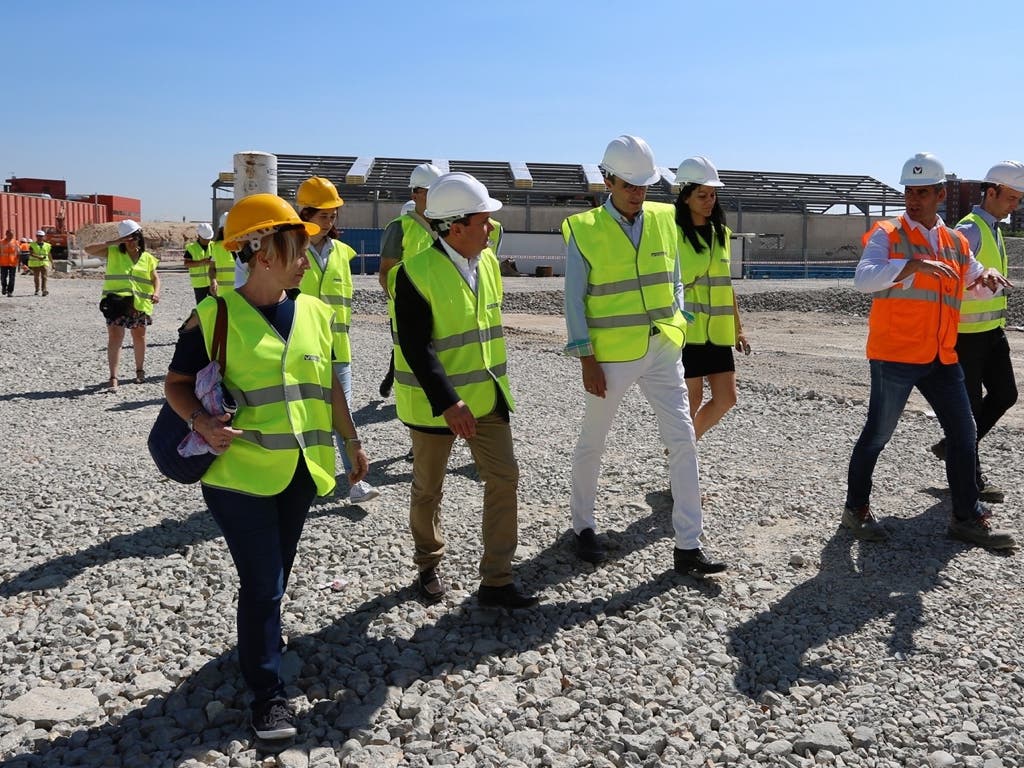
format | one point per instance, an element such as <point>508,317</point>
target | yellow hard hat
<point>253,218</point>
<point>318,192</point>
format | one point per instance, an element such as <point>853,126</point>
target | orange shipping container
<point>24,214</point>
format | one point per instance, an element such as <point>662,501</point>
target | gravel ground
<point>117,596</point>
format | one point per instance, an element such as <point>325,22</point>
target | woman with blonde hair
<point>276,453</point>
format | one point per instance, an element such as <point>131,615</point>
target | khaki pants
<point>496,463</point>
<point>39,278</point>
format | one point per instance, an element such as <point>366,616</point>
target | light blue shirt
<point>577,279</point>
<point>972,233</point>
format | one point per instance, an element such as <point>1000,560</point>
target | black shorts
<point>706,359</point>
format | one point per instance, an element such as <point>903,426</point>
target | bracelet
<point>356,440</point>
<point>192,419</point>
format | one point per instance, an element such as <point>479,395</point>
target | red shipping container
<point>24,214</point>
<point>120,208</point>
<point>55,188</point>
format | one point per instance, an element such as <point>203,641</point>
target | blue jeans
<point>262,533</point>
<point>943,388</point>
<point>343,372</point>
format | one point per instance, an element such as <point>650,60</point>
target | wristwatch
<point>192,419</point>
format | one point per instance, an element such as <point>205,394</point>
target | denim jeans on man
<point>262,533</point>
<point>943,388</point>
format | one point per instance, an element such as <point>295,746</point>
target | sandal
<point>112,384</point>
<point>140,376</point>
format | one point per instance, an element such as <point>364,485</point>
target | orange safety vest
<point>9,252</point>
<point>919,323</point>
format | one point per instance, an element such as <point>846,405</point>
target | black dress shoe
<point>429,586</point>
<point>687,561</point>
<point>505,597</point>
<point>588,547</point>
<point>385,386</point>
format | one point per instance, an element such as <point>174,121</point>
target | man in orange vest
<point>9,253</point>
<point>916,269</point>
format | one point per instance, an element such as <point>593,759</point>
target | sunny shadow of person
<point>857,583</point>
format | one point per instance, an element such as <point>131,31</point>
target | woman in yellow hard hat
<point>276,454</point>
<point>330,279</point>
<point>131,288</point>
<point>705,265</point>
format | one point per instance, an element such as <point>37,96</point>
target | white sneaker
<point>362,491</point>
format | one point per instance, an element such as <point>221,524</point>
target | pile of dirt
<point>160,235</point>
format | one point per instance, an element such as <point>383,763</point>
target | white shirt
<point>466,266</point>
<point>876,271</point>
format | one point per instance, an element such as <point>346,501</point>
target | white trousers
<point>659,375</point>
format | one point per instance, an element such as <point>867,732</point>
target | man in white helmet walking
<point>451,382</point>
<point>981,344</point>
<point>406,235</point>
<point>624,315</point>
<point>917,270</point>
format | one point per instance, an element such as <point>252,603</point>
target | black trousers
<point>988,376</point>
<point>7,275</point>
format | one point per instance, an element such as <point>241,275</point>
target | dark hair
<point>307,214</point>
<point>685,220</point>
<point>443,226</point>
<point>139,240</point>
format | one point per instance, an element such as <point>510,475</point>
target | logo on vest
<point>311,358</point>
<point>656,254</point>
<point>494,305</point>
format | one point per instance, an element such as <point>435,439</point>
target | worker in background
<point>26,250</point>
<point>9,253</point>
<point>917,269</point>
<point>981,345</point>
<point>451,382</point>
<point>329,278</point>
<point>705,262</point>
<point>409,234</point>
<point>222,270</point>
<point>624,315</point>
<point>39,262</point>
<point>198,259</point>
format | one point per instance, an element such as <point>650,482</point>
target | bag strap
<point>218,350</point>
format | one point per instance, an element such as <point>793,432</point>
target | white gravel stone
<point>47,706</point>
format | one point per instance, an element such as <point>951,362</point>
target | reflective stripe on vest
<point>199,276</point>
<point>977,315</point>
<point>38,254</point>
<point>709,293</point>
<point>466,334</point>
<point>224,264</point>
<point>125,278</point>
<point>629,289</point>
<point>283,391</point>
<point>918,324</point>
<point>333,286</point>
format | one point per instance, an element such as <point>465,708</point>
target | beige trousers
<point>496,463</point>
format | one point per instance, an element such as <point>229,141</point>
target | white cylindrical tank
<point>255,172</point>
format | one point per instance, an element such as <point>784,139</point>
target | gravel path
<point>117,596</point>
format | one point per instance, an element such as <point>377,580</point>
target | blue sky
<point>151,99</point>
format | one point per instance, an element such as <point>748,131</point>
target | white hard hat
<point>922,170</point>
<point>408,207</point>
<point>629,158</point>
<point>455,195</point>
<point>127,227</point>
<point>204,231</point>
<point>1008,173</point>
<point>423,175</point>
<point>223,219</point>
<point>698,170</point>
<point>40,233</point>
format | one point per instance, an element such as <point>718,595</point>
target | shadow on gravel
<point>353,665</point>
<point>134,405</point>
<point>374,412</point>
<point>55,394</point>
<point>857,583</point>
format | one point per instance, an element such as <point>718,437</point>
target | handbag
<point>170,429</point>
<point>114,306</point>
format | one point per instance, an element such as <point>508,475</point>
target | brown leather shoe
<point>429,586</point>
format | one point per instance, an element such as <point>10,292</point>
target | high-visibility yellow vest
<point>283,391</point>
<point>414,239</point>
<point>466,333</point>
<point>127,278</point>
<point>630,290</point>
<point>38,254</point>
<point>333,286</point>
<point>224,263</point>
<point>709,294</point>
<point>494,239</point>
<point>199,275</point>
<point>977,315</point>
